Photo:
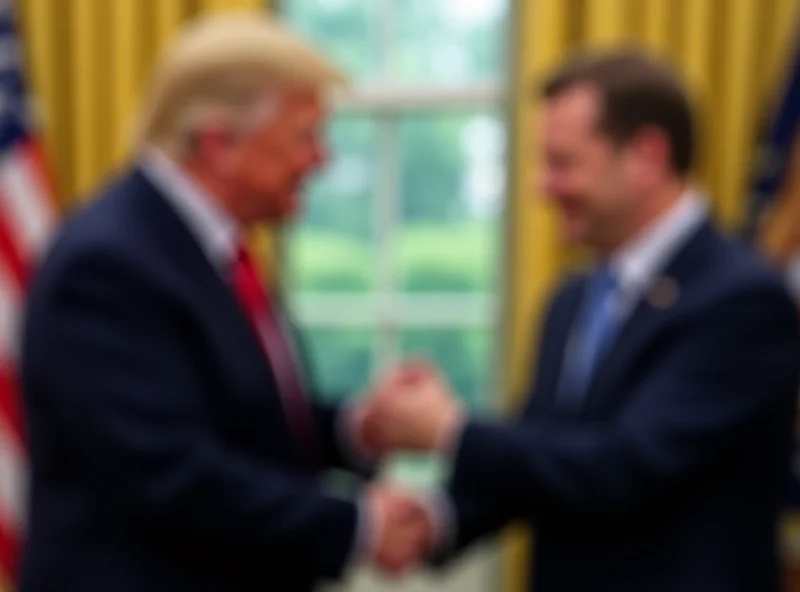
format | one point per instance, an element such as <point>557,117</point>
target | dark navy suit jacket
<point>671,476</point>
<point>161,459</point>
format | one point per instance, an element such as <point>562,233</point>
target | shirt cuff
<point>450,446</point>
<point>444,523</point>
<point>354,451</point>
<point>365,536</point>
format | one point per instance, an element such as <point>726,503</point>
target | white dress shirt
<point>217,233</point>
<point>638,262</point>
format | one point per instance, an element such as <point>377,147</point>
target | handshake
<point>410,408</point>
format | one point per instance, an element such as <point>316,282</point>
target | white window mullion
<point>386,202</point>
<point>386,99</point>
<point>386,41</point>
<point>387,213</point>
<point>394,310</point>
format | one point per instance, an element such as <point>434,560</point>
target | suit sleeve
<point>118,377</point>
<point>736,368</point>
<point>337,444</point>
<point>467,518</point>
<point>478,515</point>
<point>340,449</point>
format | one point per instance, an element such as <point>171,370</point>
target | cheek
<point>566,182</point>
<point>309,159</point>
<point>635,175</point>
<point>262,175</point>
<point>320,156</point>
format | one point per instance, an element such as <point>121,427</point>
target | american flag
<point>775,200</point>
<point>27,216</point>
<point>774,153</point>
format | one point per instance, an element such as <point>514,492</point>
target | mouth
<point>571,209</point>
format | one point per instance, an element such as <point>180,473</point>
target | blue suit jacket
<point>672,474</point>
<point>161,459</point>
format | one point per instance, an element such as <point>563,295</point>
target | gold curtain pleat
<point>732,54</point>
<point>87,61</point>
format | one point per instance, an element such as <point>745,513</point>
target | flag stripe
<point>10,313</point>
<point>9,250</point>
<point>12,487</point>
<point>43,172</point>
<point>9,403</point>
<point>24,202</point>
<point>8,549</point>
<point>41,178</point>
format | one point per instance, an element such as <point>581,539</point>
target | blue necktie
<point>598,323</point>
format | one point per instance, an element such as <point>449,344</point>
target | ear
<point>652,149</point>
<point>212,148</point>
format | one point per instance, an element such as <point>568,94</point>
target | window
<point>399,250</point>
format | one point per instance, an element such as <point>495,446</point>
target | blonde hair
<point>223,67</point>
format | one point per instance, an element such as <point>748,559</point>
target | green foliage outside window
<point>448,170</point>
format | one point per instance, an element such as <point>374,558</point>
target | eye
<point>560,160</point>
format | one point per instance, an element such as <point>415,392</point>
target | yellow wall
<point>731,52</point>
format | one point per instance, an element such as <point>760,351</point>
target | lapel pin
<point>663,293</point>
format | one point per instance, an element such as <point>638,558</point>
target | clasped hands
<point>409,408</point>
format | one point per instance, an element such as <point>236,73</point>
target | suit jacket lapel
<point>640,326</point>
<point>555,340</point>
<point>649,316</point>
<point>210,285</point>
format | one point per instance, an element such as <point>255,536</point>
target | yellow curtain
<point>731,52</point>
<point>87,62</point>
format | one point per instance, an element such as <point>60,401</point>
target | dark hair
<point>636,91</point>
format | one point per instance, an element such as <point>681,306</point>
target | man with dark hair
<point>652,452</point>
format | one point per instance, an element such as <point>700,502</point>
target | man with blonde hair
<point>175,443</point>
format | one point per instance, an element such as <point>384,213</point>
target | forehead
<point>571,113</point>
<point>304,104</point>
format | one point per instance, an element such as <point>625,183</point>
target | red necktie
<point>264,320</point>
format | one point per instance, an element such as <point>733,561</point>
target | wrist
<point>354,419</point>
<point>374,523</point>
<point>446,441</point>
<point>442,521</point>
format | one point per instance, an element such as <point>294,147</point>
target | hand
<point>359,438</point>
<point>365,435</point>
<point>413,409</point>
<point>403,529</point>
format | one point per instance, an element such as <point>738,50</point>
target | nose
<point>545,186</point>
<point>319,155</point>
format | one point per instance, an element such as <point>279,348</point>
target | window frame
<point>386,309</point>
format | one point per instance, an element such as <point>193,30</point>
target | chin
<point>285,215</point>
<point>291,207</point>
<point>574,231</point>
<point>282,209</point>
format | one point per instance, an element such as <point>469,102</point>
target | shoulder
<point>741,278</point>
<point>740,296</point>
<point>99,243</point>
<point>569,287</point>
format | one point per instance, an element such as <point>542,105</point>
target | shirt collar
<point>217,233</point>
<point>638,262</point>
